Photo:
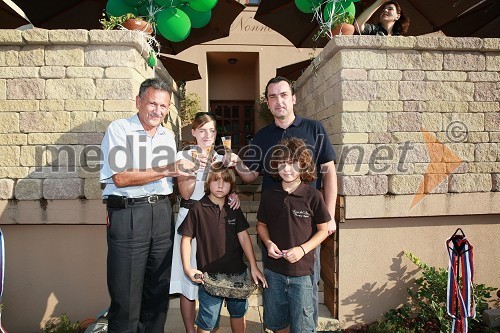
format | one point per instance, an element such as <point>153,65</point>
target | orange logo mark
<point>442,163</point>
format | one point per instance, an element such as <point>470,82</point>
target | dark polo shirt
<point>291,221</point>
<point>257,155</point>
<point>218,249</point>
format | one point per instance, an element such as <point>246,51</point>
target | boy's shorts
<point>288,302</point>
<point>210,306</point>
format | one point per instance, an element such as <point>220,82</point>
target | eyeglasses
<point>209,113</point>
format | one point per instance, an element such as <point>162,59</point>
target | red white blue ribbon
<point>459,301</point>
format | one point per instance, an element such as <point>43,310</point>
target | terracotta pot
<point>343,29</point>
<point>137,24</point>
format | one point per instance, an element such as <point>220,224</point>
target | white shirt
<point>126,145</point>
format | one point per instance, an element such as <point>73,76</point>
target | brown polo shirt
<point>291,220</point>
<point>218,249</point>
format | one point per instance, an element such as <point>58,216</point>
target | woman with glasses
<point>191,188</point>
<point>392,20</point>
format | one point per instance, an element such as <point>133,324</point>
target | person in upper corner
<point>280,98</point>
<point>393,21</point>
<point>138,161</point>
<point>290,235</point>
<point>191,189</point>
<point>222,238</point>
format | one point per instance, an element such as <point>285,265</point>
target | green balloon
<point>173,24</point>
<point>133,3</point>
<point>202,5</point>
<point>305,6</point>
<point>168,3</point>
<point>198,19</point>
<point>119,8</point>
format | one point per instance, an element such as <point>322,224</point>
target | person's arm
<point>272,249</point>
<point>330,192</point>
<point>298,252</point>
<point>359,24</point>
<point>186,260</point>
<point>246,175</point>
<point>246,245</point>
<point>138,177</point>
<point>186,186</point>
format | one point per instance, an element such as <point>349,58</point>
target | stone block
<point>483,167</point>
<point>352,169</point>
<point>492,62</point>
<point>52,138</point>
<point>31,55</point>
<point>491,44</point>
<point>3,89</point>
<point>357,90</point>
<point>13,139</point>
<point>413,75</point>
<point>6,189</point>
<point>460,43</point>
<point>9,55</point>
<point>85,72</point>
<point>25,89</point>
<point>435,183</point>
<point>51,105</point>
<point>368,59</point>
<point>64,55</point>
<point>478,137</point>
<point>90,138</point>
<point>492,121</point>
<point>494,136</point>
<point>28,189</point>
<point>112,56</point>
<point>122,73</point>
<point>54,172</point>
<point>14,172</point>
<point>432,61</point>
<point>414,152</point>
<point>363,122</point>
<point>468,122</point>
<point>116,89</point>
<point>386,106</point>
<point>18,105</point>
<point>81,121</point>
<point>64,155</point>
<point>399,137</point>
<point>404,122</point>
<point>10,156</point>
<point>486,91</point>
<point>92,188</point>
<point>19,72</point>
<point>424,42</point>
<point>55,121</point>
<point>464,151</point>
<point>432,121</point>
<point>469,183</point>
<point>388,90</point>
<point>83,105</point>
<point>484,106</point>
<point>447,106</point>
<point>404,59</point>
<point>483,76</point>
<point>363,185</point>
<point>105,118</point>
<point>53,72</point>
<point>70,89</point>
<point>354,153</point>
<point>404,184</point>
<point>399,42</point>
<point>9,122</point>
<point>445,76</point>
<point>71,37</point>
<point>11,37</point>
<point>385,75</point>
<point>461,61</point>
<point>487,152</point>
<point>495,178</point>
<point>69,188</point>
<point>379,137</point>
<point>36,36</point>
<point>350,138</point>
<point>33,156</point>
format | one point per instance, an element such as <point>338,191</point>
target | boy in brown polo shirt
<point>292,222</point>
<point>222,238</point>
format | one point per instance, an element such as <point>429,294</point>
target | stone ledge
<point>367,207</point>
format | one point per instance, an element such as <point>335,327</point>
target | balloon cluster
<point>173,18</point>
<point>334,11</point>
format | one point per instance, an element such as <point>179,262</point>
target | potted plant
<point>340,17</point>
<point>128,21</point>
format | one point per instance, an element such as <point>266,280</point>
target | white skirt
<point>179,282</point>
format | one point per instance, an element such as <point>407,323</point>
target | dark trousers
<point>140,240</point>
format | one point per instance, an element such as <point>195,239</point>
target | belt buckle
<point>153,198</point>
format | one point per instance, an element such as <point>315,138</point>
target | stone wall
<point>409,115</point>
<point>59,90</point>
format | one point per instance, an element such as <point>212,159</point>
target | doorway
<point>235,119</point>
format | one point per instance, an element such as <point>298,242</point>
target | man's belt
<point>117,201</point>
<point>187,203</point>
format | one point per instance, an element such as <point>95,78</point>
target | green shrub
<point>60,324</point>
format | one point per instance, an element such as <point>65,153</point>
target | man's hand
<point>332,227</point>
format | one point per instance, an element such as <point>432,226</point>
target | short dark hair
<point>294,150</point>
<point>227,174</point>
<point>278,79</point>
<point>154,83</point>
<point>400,26</point>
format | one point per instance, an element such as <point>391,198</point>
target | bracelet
<point>302,249</point>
